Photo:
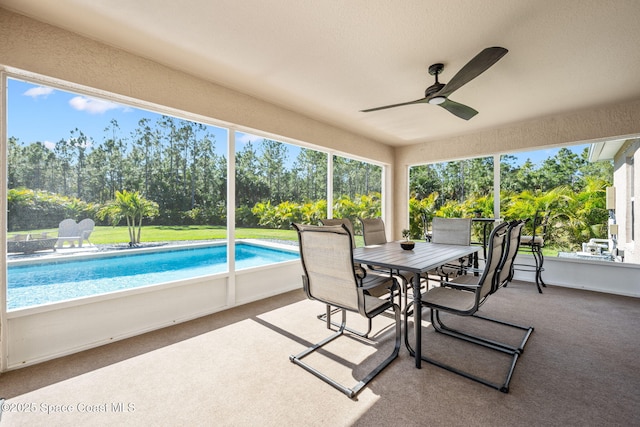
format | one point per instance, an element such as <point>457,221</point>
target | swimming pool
<point>59,280</point>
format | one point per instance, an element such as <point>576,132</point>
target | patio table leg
<point>417,319</point>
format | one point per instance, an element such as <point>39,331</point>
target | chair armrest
<point>473,270</point>
<point>361,272</point>
<point>376,281</point>
<point>461,286</point>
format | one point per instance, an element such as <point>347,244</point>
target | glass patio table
<point>424,257</point>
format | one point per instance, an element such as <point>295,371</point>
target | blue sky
<point>47,115</point>
<point>39,113</point>
<point>539,156</point>
<point>44,114</point>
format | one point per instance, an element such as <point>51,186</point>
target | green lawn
<point>153,233</point>
<point>156,233</point>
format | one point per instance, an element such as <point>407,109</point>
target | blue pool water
<point>53,281</point>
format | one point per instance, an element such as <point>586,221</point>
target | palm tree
<point>132,207</point>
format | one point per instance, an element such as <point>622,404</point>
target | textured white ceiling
<point>329,59</point>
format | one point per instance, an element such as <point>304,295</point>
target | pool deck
<point>92,249</point>
<point>75,251</point>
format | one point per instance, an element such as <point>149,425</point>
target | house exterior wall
<point>626,181</point>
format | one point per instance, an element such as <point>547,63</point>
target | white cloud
<point>92,105</point>
<point>244,138</point>
<point>39,91</point>
<point>86,144</point>
<point>52,145</point>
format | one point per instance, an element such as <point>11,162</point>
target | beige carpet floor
<point>580,367</point>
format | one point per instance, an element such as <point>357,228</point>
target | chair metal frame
<point>534,244</point>
<point>366,305</point>
<point>503,275</point>
<point>499,257</point>
<point>512,244</point>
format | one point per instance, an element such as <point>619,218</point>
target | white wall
<point>628,189</point>
<point>599,276</point>
<point>41,333</point>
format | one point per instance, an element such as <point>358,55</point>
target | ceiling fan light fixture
<point>437,100</point>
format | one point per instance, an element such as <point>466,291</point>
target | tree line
<point>173,163</point>
<point>567,185</point>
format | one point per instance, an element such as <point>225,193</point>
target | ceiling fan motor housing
<point>434,70</point>
<point>433,89</point>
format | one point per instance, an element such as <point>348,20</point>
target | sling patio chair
<point>510,252</point>
<point>364,273</point>
<point>464,295</point>
<point>503,276</point>
<point>451,231</point>
<point>329,277</point>
<point>374,233</point>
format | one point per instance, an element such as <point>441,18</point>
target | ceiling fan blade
<point>417,101</point>
<point>478,65</point>
<point>458,109</point>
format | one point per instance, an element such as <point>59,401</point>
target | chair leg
<point>439,326</point>
<point>539,259</point>
<point>406,330</point>
<point>537,269</point>
<point>504,387</point>
<point>353,391</point>
<point>405,290</point>
<point>541,269</point>
<point>512,351</point>
<point>326,317</point>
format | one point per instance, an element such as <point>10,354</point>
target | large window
<point>109,178</point>
<point>89,177</point>
<point>279,183</point>
<point>357,191</point>
<point>461,188</point>
<point>561,181</point>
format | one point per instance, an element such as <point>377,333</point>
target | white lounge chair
<point>68,231</point>
<point>86,228</point>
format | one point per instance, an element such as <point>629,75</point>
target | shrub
<point>31,210</point>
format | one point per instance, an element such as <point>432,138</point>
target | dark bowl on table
<point>407,246</point>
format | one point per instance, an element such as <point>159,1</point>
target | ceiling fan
<point>438,93</point>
